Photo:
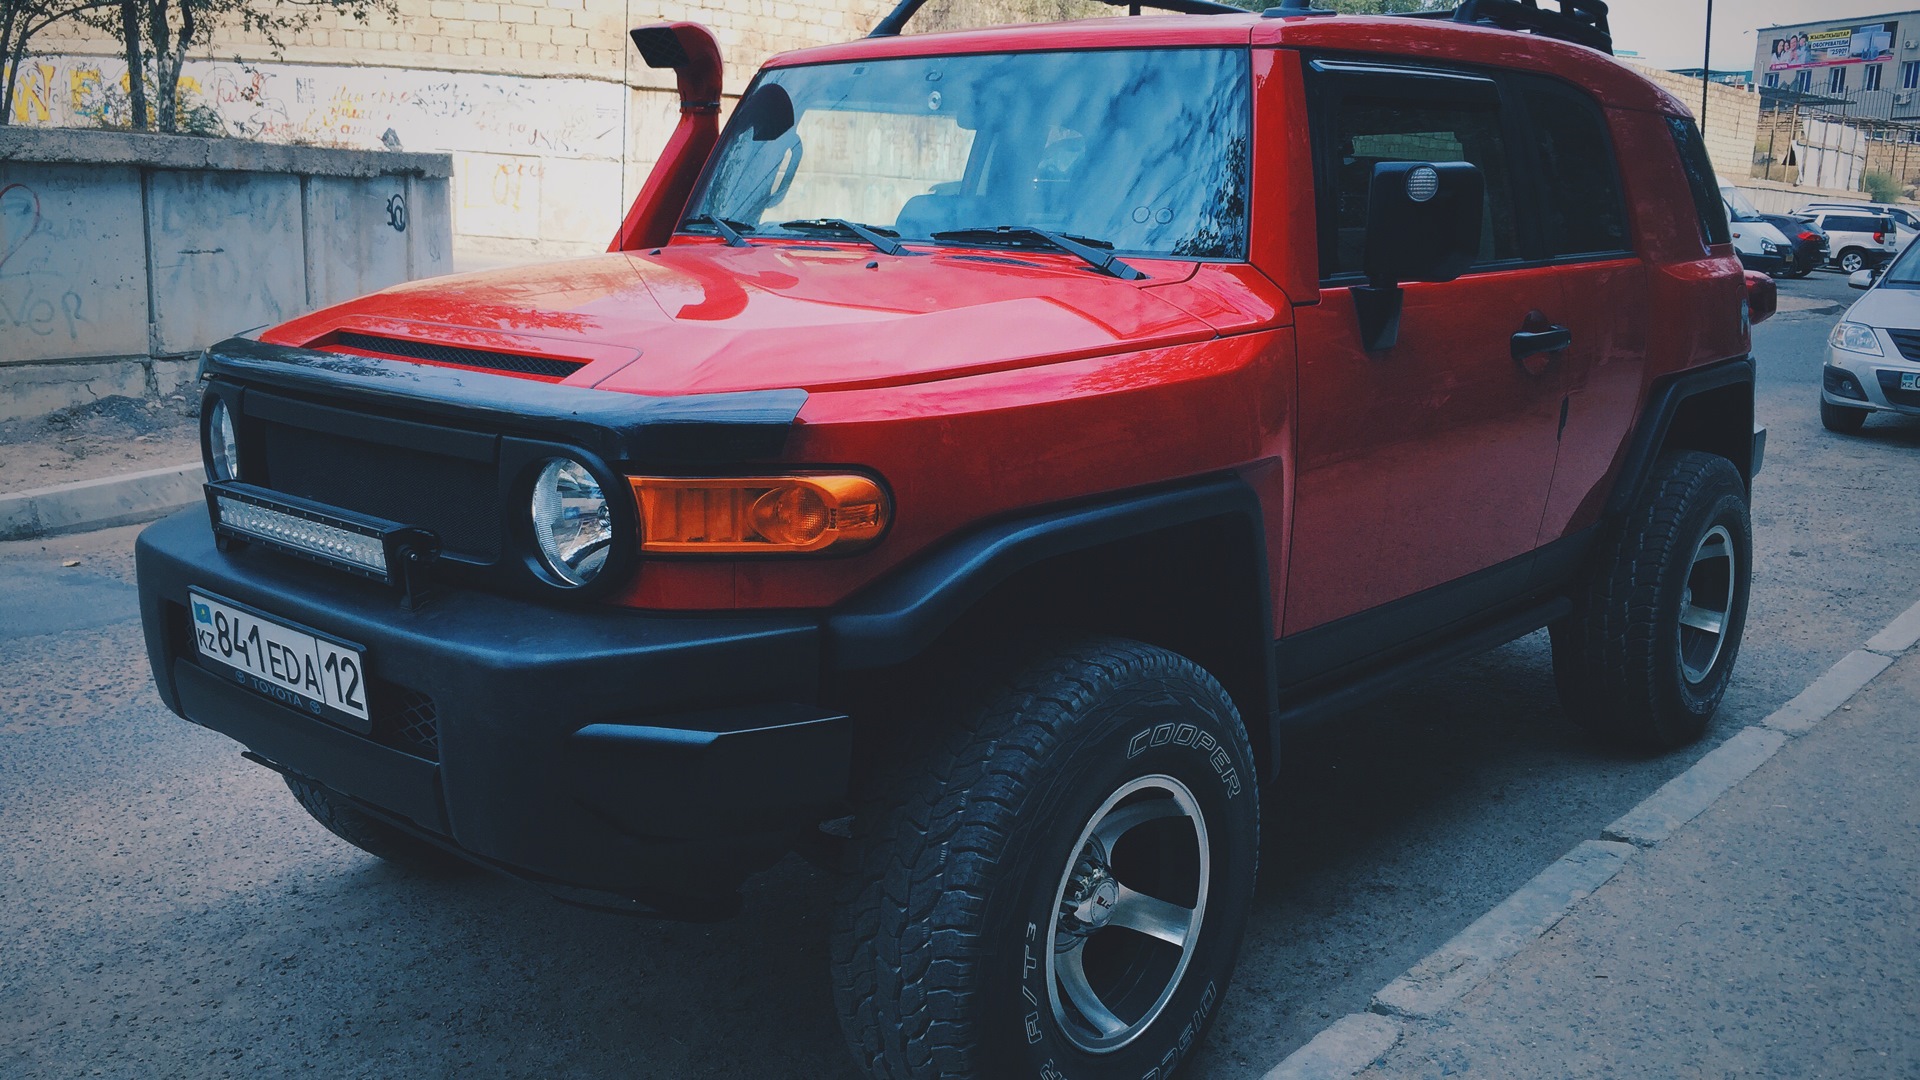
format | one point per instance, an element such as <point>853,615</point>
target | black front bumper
<point>654,758</point>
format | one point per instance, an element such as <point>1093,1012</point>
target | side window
<point>1706,190</point>
<point>1584,210</point>
<point>1367,127</point>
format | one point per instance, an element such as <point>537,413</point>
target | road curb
<point>1416,999</point>
<point>99,504</point>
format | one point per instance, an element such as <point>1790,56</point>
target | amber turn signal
<point>760,515</point>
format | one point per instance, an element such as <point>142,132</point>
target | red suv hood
<point>703,317</point>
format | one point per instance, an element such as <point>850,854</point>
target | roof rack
<point>897,18</point>
<point>1582,22</point>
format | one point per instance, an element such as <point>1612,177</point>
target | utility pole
<point>1706,69</point>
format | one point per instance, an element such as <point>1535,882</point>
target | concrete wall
<point>122,255</point>
<point>552,120</point>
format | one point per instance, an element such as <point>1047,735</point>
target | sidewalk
<point>1776,935</point>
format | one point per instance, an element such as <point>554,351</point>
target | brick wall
<point>1732,120</point>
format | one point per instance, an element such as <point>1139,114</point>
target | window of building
<point>1837,80</point>
<point>1803,81</point>
<point>1870,77</point>
<point>1910,75</point>
<point>1773,78</point>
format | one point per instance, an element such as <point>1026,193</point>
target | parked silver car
<point>1873,353</point>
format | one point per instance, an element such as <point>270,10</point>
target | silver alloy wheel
<point>1852,262</point>
<point>1707,603</point>
<point>1115,954</point>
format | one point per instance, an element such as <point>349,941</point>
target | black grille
<point>451,354</point>
<point>406,719</point>
<point>453,498</point>
<point>1890,386</point>
<point>1908,342</point>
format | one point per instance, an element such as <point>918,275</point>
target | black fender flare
<point>898,617</point>
<point>1663,404</point>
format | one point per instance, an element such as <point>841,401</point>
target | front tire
<point>1057,881</point>
<point>1841,419</point>
<point>1648,651</point>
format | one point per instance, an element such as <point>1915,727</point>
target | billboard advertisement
<point>1864,44</point>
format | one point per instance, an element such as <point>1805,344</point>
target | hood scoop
<point>539,367</point>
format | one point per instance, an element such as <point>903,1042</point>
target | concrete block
<point>98,504</point>
<point>225,255</point>
<point>1684,797</point>
<point>356,236</point>
<point>1828,692</point>
<point>1343,1049</point>
<point>70,276</point>
<point>30,390</point>
<point>430,227</point>
<point>1447,973</point>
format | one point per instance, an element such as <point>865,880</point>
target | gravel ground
<point>106,438</point>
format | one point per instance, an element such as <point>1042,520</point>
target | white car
<point>1759,245</point>
<point>1857,239</point>
<point>1904,220</point>
<point>1873,353</point>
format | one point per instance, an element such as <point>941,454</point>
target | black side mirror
<point>1423,224</point>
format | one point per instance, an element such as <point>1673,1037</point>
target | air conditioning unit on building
<point>1910,44</point>
<point>1902,99</point>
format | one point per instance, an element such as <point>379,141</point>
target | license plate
<point>292,665</point>
<point>1910,380</point>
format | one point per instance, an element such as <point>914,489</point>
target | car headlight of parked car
<point>572,523</point>
<point>1854,337</point>
<point>223,446</point>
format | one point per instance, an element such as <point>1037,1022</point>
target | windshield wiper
<point>1085,247</point>
<point>882,240</point>
<point>735,231</point>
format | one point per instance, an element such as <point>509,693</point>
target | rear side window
<point>1369,128</point>
<point>1700,180</point>
<point>1584,212</point>
<point>1853,223</point>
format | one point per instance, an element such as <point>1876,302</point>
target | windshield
<point>1904,271</point>
<point>1141,149</point>
<point>1738,208</point>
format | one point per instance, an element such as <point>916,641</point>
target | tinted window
<point>1700,180</point>
<point>1584,211</point>
<point>1850,223</point>
<point>1369,129</point>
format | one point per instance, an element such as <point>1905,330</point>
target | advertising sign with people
<point>1839,45</point>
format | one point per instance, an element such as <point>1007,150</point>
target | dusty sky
<point>1669,33</point>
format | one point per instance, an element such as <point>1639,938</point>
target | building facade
<point>1864,67</point>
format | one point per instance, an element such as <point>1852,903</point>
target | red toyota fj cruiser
<point>967,465</point>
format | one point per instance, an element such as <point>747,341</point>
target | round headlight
<point>571,521</point>
<point>223,447</point>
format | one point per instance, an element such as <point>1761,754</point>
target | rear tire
<point>1648,651</point>
<point>371,835</point>
<point>989,926</point>
<point>1851,260</point>
<point>1840,418</point>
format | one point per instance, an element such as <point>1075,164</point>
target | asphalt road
<point>165,908</point>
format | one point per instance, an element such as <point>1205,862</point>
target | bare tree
<point>171,29</point>
<point>20,20</point>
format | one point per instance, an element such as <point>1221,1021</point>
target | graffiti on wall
<point>344,106</point>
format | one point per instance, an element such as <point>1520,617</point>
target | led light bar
<point>385,551</point>
<point>362,551</point>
